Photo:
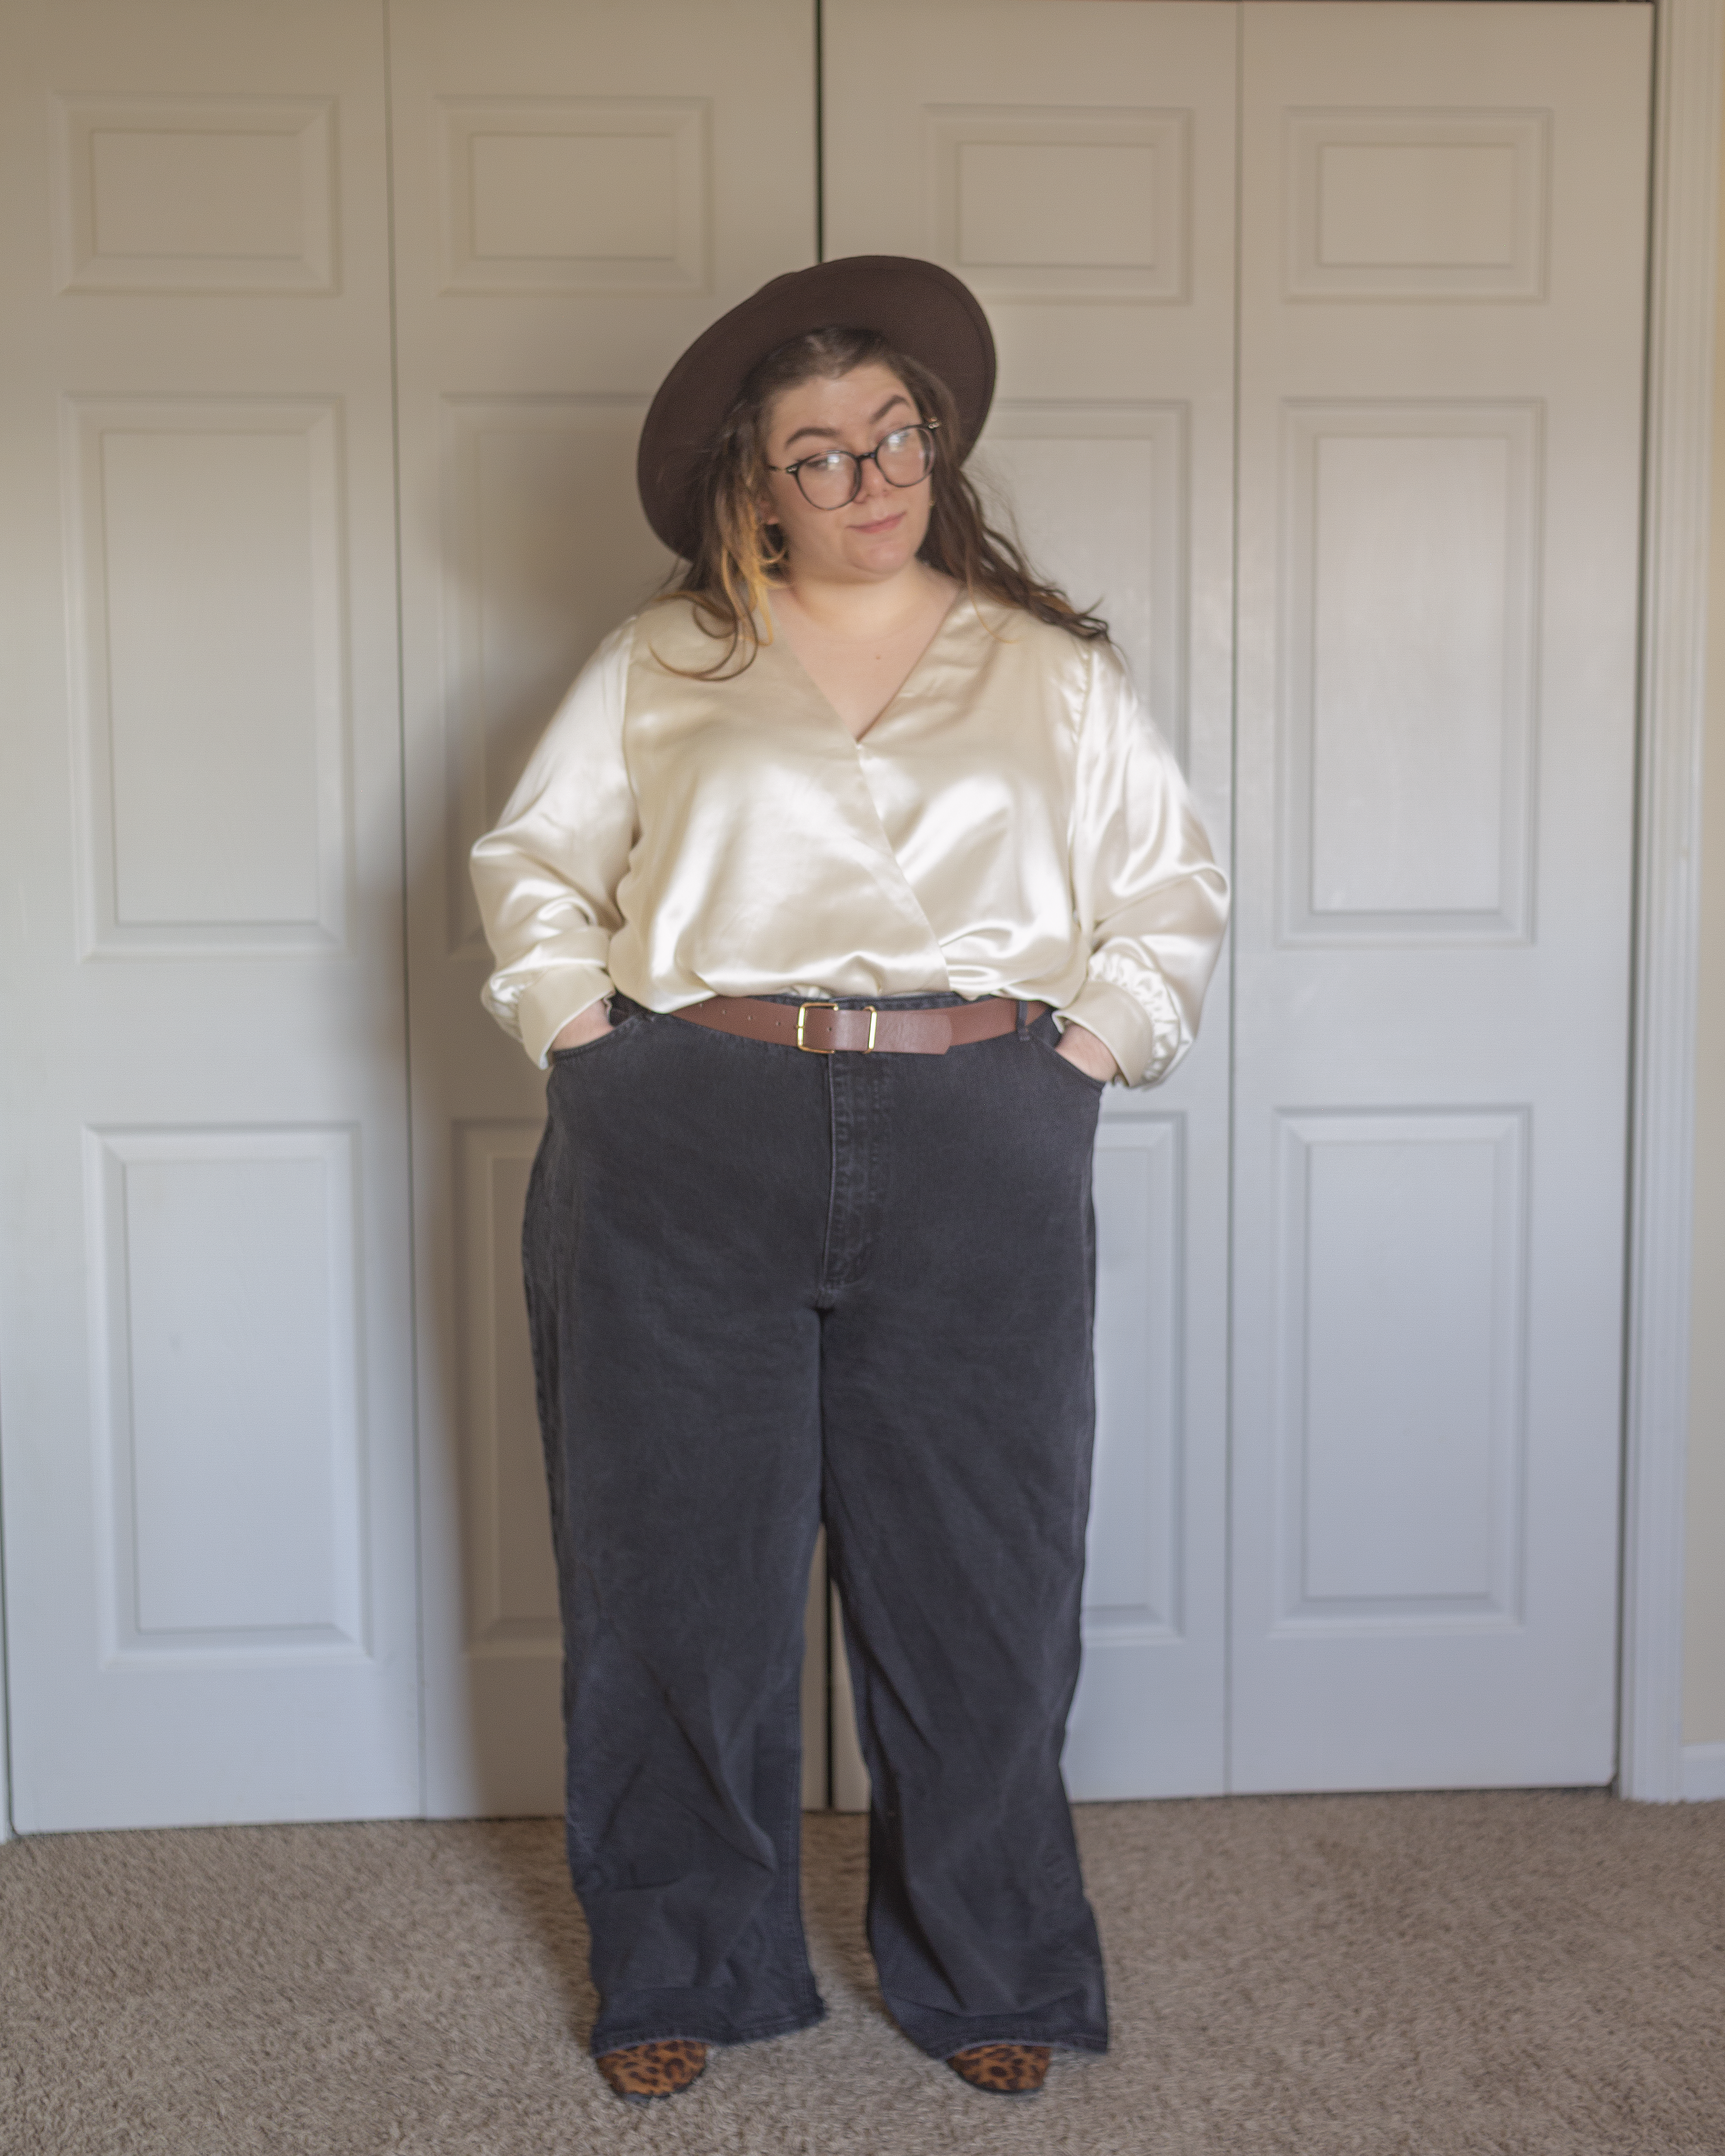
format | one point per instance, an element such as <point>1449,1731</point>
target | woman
<point>842,883</point>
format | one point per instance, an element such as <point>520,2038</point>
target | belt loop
<point>1023,1018</point>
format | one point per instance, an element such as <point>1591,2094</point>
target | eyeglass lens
<point>831,481</point>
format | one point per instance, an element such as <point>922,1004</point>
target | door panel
<point>1441,344</point>
<point>578,191</point>
<point>1074,164</point>
<point>209,1469</point>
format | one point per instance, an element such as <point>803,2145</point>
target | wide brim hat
<point>921,311</point>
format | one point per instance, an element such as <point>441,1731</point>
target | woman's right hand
<point>585,1026</point>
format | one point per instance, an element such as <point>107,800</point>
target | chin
<point>885,557</point>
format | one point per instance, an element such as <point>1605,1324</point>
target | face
<point>875,536</point>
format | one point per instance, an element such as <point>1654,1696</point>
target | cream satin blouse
<point>1010,825</point>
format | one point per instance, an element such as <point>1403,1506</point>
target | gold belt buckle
<point>803,1011</point>
<point>808,1049</point>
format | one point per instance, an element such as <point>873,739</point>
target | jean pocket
<point>559,1056</point>
<point>1095,1087</point>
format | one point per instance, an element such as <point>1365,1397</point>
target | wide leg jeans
<point>769,1288</point>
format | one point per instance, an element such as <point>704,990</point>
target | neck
<point>862,608</point>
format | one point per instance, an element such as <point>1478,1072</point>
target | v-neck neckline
<point>960,598</point>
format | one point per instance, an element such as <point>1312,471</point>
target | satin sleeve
<point>1150,900</point>
<point>546,877</point>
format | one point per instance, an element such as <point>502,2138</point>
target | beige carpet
<point>1527,1971</point>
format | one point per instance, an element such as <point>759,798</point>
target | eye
<point>831,461</point>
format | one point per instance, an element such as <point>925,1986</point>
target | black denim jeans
<point>769,1288</point>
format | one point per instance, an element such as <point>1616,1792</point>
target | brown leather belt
<point>822,1029</point>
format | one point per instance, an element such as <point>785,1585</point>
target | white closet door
<point>1441,279</point>
<point>1074,164</point>
<point>203,1306</point>
<point>579,190</point>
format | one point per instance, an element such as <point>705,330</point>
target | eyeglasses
<point>833,478</point>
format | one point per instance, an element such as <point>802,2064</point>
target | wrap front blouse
<point>1011,824</point>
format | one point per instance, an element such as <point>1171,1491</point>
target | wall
<point>1704,1592</point>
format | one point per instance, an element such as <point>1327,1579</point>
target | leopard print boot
<point>640,2072</point>
<point>1003,2069</point>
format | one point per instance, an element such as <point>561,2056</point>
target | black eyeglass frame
<point>931,427</point>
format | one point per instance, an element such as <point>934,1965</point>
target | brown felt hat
<point>918,307</point>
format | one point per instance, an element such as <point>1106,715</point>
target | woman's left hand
<point>1079,1045</point>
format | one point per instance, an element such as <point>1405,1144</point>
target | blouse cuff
<point>548,1002</point>
<point>1120,1024</point>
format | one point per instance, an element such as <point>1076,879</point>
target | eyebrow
<point>831,434</point>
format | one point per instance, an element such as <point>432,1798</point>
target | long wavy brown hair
<point>741,553</point>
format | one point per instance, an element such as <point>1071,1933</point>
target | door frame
<point>1689,48</point>
<point>5,1704</point>
<point>1689,78</point>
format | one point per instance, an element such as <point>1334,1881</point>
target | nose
<point>873,484</point>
